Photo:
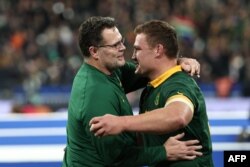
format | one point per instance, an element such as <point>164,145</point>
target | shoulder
<point>90,94</point>
<point>181,84</point>
<point>90,83</point>
<point>178,83</point>
<point>180,79</point>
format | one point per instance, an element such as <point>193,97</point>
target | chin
<point>121,63</point>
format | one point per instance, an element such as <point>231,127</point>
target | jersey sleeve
<point>131,81</point>
<point>122,153</point>
<point>180,97</point>
<point>178,91</point>
<point>119,150</point>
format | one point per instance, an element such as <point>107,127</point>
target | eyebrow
<point>117,41</point>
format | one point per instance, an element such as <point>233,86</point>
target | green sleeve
<point>131,81</point>
<point>186,88</point>
<point>119,150</point>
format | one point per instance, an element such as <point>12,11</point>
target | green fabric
<point>95,94</point>
<point>198,128</point>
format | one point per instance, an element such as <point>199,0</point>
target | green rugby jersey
<point>95,94</point>
<point>176,84</point>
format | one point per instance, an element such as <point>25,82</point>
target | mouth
<point>120,57</point>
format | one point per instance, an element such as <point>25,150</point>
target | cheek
<point>107,57</point>
<point>139,57</point>
<point>142,59</point>
<point>106,60</point>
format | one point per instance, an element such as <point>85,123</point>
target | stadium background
<point>39,56</point>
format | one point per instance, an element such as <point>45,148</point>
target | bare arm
<point>174,116</point>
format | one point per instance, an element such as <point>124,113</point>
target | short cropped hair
<point>160,32</point>
<point>90,32</point>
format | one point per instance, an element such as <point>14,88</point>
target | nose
<point>122,47</point>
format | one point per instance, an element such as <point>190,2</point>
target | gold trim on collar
<point>156,82</point>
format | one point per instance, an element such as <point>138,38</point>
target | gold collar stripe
<point>156,82</point>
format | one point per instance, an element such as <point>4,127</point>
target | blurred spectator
<point>38,38</point>
<point>31,109</point>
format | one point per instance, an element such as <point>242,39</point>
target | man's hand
<point>181,150</point>
<point>106,125</point>
<point>191,66</point>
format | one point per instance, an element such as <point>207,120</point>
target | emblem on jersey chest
<point>157,98</point>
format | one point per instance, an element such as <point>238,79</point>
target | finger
<point>187,67</point>
<point>196,147</point>
<point>197,74</point>
<point>196,153</point>
<point>192,142</point>
<point>193,70</point>
<point>198,68</point>
<point>179,136</point>
<point>188,157</point>
<point>100,133</point>
<point>94,120</point>
<point>199,154</point>
<point>94,127</point>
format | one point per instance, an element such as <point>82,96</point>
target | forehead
<point>140,40</point>
<point>111,34</point>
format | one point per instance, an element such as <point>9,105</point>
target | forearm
<point>157,121</point>
<point>173,117</point>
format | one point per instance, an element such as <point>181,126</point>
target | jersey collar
<point>156,82</point>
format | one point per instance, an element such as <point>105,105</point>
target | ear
<point>159,50</point>
<point>93,52</point>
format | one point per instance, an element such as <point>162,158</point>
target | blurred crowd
<point>39,38</point>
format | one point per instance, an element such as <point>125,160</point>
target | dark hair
<point>90,32</point>
<point>156,32</point>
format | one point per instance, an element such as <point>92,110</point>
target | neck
<point>98,66</point>
<point>161,67</point>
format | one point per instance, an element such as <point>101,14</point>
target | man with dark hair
<point>172,103</point>
<point>99,88</point>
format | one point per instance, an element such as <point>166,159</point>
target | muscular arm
<point>163,120</point>
<point>174,116</point>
